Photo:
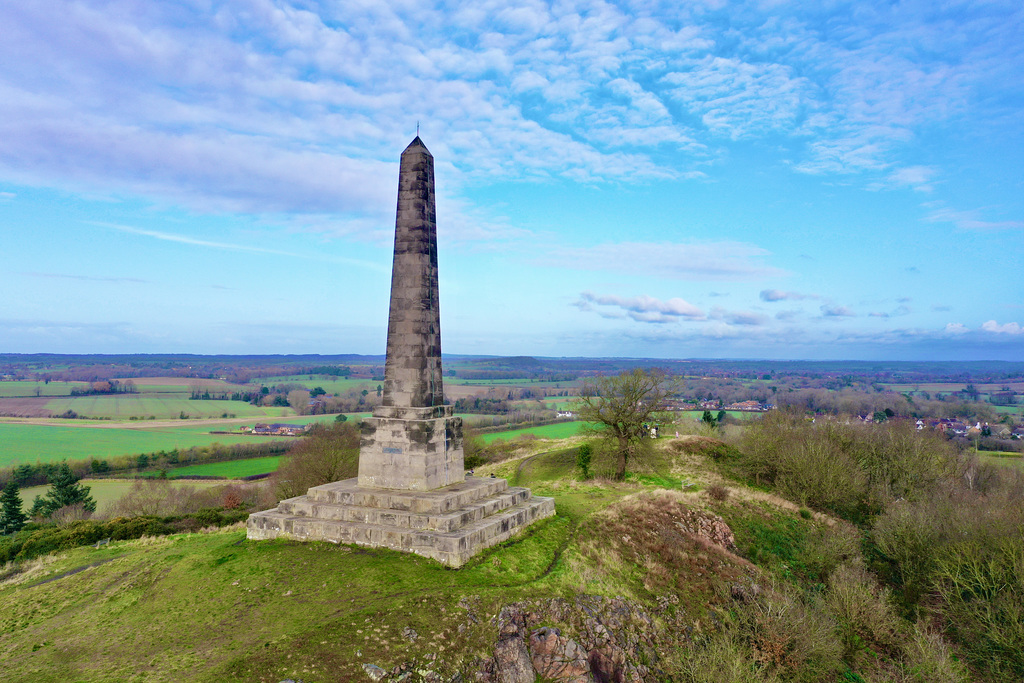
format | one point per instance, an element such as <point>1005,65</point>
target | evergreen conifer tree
<point>65,490</point>
<point>38,508</point>
<point>12,517</point>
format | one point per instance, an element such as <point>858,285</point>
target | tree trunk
<point>620,474</point>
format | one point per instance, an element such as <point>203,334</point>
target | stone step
<point>303,506</point>
<point>439,501</point>
<point>452,547</point>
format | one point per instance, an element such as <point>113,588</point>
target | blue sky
<point>705,179</point>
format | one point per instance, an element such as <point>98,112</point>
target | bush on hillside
<point>35,541</point>
<point>329,452</point>
<point>852,470</point>
<point>981,584</point>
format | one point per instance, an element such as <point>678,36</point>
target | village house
<point>278,429</point>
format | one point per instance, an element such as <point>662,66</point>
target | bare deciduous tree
<point>623,407</point>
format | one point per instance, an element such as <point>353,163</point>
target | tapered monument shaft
<point>413,441</point>
<point>412,373</point>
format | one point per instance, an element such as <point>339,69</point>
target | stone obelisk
<point>411,493</point>
<point>412,441</point>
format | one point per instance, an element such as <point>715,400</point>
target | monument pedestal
<point>411,448</point>
<point>448,524</point>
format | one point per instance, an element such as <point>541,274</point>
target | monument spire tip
<point>416,144</point>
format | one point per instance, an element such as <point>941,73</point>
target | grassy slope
<point>215,607</point>
<point>558,430</point>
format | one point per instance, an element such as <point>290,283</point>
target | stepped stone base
<point>449,524</point>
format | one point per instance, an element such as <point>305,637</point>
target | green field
<point>330,385</point>
<point>18,389</point>
<point>103,491</point>
<point>560,430</point>
<point>125,406</point>
<point>1003,460</point>
<point>233,469</point>
<point>27,443</point>
<point>24,442</point>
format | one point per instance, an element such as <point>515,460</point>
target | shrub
<point>825,548</point>
<point>862,612</point>
<point>718,492</point>
<point>473,449</point>
<point>907,538</point>
<point>818,473</point>
<point>722,658</point>
<point>927,659</point>
<point>981,584</point>
<point>70,513</point>
<point>149,496</point>
<point>328,453</point>
<point>583,456</point>
<point>792,637</point>
<point>853,470</point>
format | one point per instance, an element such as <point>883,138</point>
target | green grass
<point>232,469</point>
<point>28,443</point>
<point>331,386</point>
<point>28,388</point>
<point>560,430</point>
<point>1009,410</point>
<point>215,607</point>
<point>25,442</point>
<point>1002,459</point>
<point>125,406</point>
<point>545,467</point>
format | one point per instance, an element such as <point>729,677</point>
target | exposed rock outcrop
<point>614,636</point>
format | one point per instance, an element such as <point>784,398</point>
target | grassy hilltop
<point>644,571</point>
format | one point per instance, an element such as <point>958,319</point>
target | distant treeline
<point>39,474</point>
<point>329,370</point>
<point>102,387</point>
<point>241,369</point>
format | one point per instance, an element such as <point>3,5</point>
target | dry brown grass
<point>661,532</point>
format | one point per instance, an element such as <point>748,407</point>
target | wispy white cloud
<point>229,246</point>
<point>831,311</point>
<point>260,106</point>
<point>917,177</point>
<point>899,311</point>
<point>643,308</point>
<point>742,318</point>
<point>971,220</point>
<point>772,295</point>
<point>736,98</point>
<point>86,278</point>
<point>724,261</point>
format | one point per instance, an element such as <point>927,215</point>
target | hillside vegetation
<point>805,552</point>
